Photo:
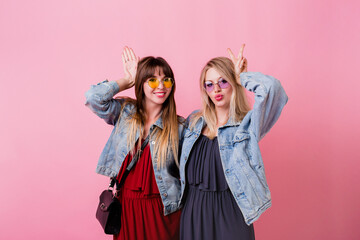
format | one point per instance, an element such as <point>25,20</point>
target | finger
<point>127,54</point>
<point>241,65</point>
<point>241,51</point>
<point>133,57</point>
<point>123,58</point>
<point>245,62</point>
<point>232,56</point>
<point>124,54</point>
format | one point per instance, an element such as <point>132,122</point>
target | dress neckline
<point>208,137</point>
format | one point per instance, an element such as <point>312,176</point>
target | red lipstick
<point>219,97</point>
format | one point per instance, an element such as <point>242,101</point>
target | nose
<point>161,85</point>
<point>216,87</point>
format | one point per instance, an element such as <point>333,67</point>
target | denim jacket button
<point>165,194</point>
<point>159,177</point>
<point>227,171</point>
<point>153,142</point>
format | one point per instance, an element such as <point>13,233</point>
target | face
<point>219,96</point>
<point>158,95</point>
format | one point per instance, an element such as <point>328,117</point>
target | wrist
<point>123,83</point>
<point>238,81</point>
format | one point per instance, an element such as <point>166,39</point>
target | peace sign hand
<point>240,63</point>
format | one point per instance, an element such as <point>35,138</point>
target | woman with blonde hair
<point>151,191</point>
<point>223,185</point>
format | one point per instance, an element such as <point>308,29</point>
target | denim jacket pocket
<point>256,178</point>
<point>240,137</point>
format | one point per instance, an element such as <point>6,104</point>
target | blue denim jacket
<point>238,144</point>
<point>100,100</point>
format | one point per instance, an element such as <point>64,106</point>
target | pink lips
<point>160,94</point>
<point>218,97</point>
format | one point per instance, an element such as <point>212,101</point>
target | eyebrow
<point>153,76</point>
<point>213,80</point>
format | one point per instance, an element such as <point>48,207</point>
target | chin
<point>222,105</point>
<point>159,101</point>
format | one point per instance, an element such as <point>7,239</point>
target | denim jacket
<point>238,145</point>
<point>100,100</point>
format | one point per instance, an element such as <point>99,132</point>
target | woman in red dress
<point>150,194</point>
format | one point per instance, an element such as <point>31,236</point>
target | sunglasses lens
<point>168,82</point>
<point>153,82</point>
<point>223,83</point>
<point>209,86</point>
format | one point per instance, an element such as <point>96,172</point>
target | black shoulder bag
<point>109,209</point>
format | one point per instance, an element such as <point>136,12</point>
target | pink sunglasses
<point>222,83</point>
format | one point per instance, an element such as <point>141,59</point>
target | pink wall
<point>51,51</point>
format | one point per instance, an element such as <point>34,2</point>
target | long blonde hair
<point>239,106</point>
<point>167,139</point>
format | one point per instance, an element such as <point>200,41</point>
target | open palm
<point>130,63</point>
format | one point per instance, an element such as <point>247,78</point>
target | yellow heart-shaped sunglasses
<point>154,82</point>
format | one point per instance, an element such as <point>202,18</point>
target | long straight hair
<point>167,139</point>
<point>239,106</point>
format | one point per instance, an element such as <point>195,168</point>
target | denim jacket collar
<point>159,122</point>
<point>231,123</point>
<point>201,124</point>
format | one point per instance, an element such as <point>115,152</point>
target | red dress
<point>142,209</point>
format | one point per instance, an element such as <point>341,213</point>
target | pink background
<point>52,51</point>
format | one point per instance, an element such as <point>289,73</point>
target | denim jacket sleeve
<point>99,98</point>
<point>270,98</point>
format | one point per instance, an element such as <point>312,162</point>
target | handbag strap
<point>137,154</point>
<point>128,168</point>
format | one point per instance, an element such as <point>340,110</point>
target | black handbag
<point>108,212</point>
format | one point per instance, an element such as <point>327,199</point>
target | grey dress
<point>210,210</point>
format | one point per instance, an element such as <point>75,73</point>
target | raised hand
<point>130,62</point>
<point>240,63</point>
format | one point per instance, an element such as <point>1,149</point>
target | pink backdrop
<point>52,51</point>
